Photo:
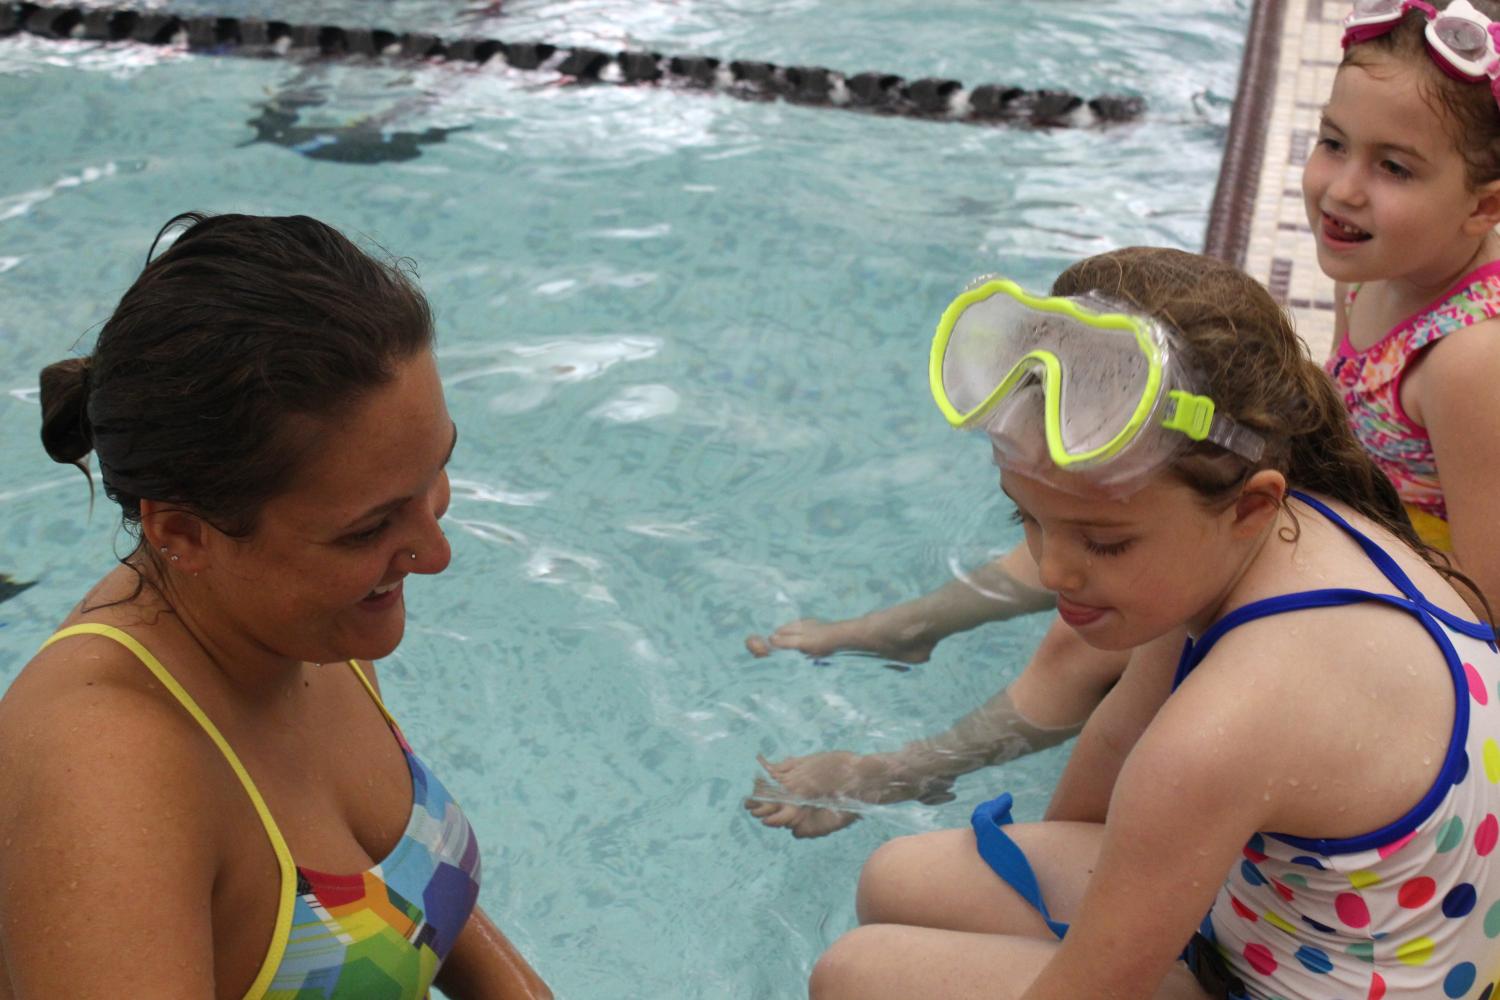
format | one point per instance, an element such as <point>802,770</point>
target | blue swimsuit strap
<point>1394,573</point>
<point>1414,601</point>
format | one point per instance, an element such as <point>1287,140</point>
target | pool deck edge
<point>1271,238</point>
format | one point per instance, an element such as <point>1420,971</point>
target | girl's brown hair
<point>1240,343</point>
<point>1469,109</point>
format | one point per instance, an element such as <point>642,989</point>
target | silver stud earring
<point>174,557</point>
<point>413,555</point>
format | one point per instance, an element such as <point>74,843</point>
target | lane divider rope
<point>929,98</point>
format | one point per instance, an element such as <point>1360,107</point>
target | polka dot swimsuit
<point>1411,910</point>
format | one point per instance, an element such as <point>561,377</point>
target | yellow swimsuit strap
<point>283,926</point>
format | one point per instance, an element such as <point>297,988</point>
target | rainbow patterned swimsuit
<point>377,935</point>
<point>1409,910</point>
<point>1370,383</point>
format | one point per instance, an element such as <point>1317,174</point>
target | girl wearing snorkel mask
<point>1293,790</point>
<point>1403,196</point>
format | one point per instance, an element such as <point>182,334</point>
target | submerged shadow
<point>367,140</point>
<point>10,587</point>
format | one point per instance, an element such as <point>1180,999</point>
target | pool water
<point>684,338</point>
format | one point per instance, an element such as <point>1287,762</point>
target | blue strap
<point>1379,556</point>
<point>1196,649</point>
<point>1394,573</point>
<point>1415,602</point>
<point>1006,859</point>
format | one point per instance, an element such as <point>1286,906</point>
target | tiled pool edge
<point>1282,88</point>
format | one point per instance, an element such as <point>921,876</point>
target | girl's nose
<point>1057,571</point>
<point>1345,187</point>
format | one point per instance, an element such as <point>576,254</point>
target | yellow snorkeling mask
<point>1107,384</point>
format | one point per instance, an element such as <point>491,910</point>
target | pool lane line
<point>929,98</point>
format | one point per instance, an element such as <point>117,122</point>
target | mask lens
<point>1467,39</point>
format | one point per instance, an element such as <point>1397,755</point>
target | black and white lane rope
<point>882,93</point>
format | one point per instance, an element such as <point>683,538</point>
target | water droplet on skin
<point>1267,796</point>
<point>1293,782</point>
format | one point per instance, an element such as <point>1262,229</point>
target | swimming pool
<point>684,338</point>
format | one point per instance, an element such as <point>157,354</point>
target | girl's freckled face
<point>1126,570</point>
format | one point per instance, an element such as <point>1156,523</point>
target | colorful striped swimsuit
<point>380,934</point>
<point>1411,909</point>
<point>1370,383</point>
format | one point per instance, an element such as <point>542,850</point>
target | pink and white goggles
<point>1463,42</point>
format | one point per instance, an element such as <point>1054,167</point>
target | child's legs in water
<point>939,880</point>
<point>895,962</point>
<point>937,922</point>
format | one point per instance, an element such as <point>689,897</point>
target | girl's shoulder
<point>1381,322</point>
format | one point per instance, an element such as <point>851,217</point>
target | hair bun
<point>66,432</point>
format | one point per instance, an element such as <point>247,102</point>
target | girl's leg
<point>890,962</point>
<point>938,880</point>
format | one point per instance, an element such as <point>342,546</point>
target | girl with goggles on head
<point>1403,194</point>
<point>1288,748</point>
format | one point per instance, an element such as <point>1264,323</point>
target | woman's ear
<point>1259,500</point>
<point>178,537</point>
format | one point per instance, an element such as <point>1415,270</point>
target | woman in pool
<point>201,745</point>
<point>1299,667</point>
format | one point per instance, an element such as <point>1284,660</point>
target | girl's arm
<point>1460,407</point>
<point>484,965</point>
<point>1179,817</point>
<point>1083,793</point>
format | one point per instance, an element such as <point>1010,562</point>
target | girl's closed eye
<point>1329,144</point>
<point>1107,548</point>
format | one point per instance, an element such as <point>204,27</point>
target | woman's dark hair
<point>1471,115</point>
<point>208,384</point>
<point>1256,369</point>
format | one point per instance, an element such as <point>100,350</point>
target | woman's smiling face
<point>1127,570</point>
<point>320,577</point>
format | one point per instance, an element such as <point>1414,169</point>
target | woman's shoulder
<point>86,718</point>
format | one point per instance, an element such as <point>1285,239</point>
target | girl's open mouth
<point>1336,231</point>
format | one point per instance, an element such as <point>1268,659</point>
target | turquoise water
<point>684,337</point>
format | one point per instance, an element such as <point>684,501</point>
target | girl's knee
<point>887,880</point>
<point>842,970</point>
